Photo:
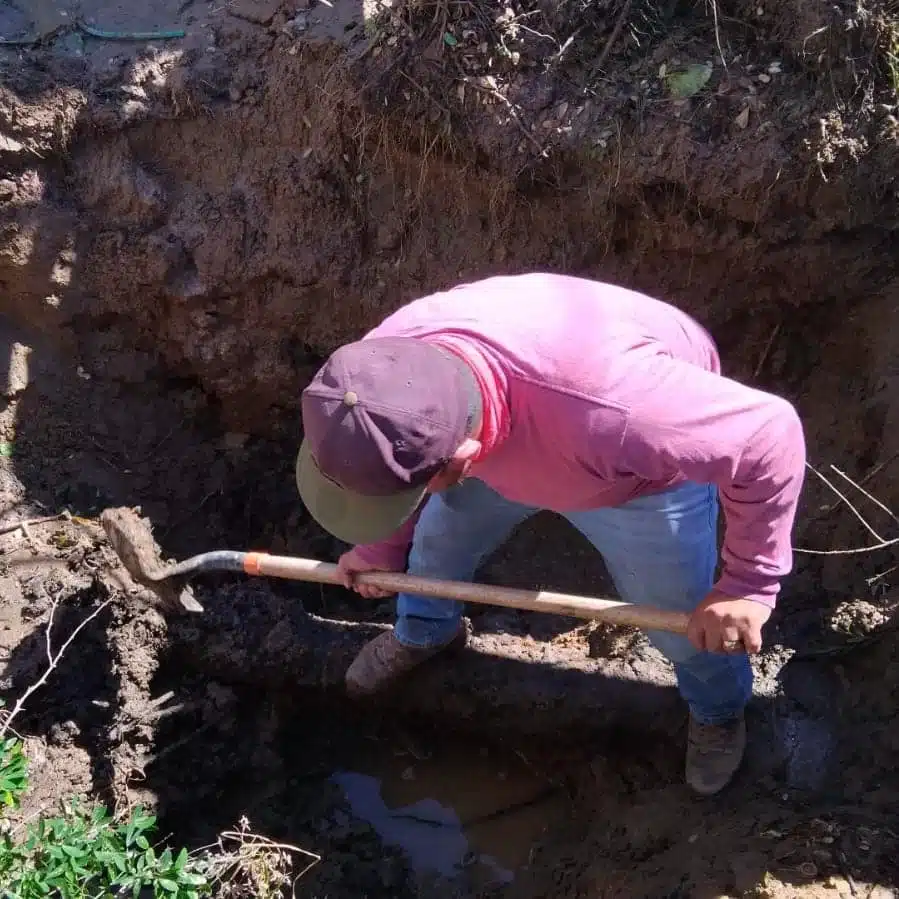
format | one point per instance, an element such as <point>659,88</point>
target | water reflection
<point>454,813</point>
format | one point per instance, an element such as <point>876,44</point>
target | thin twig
<point>865,493</point>
<point>874,471</point>
<point>764,357</point>
<point>53,662</point>
<point>48,634</point>
<point>255,841</point>
<point>424,92</point>
<point>847,552</point>
<point>32,522</point>
<point>568,42</point>
<point>871,581</point>
<point>249,844</point>
<point>160,701</point>
<point>172,747</point>
<point>714,5</point>
<point>613,37</point>
<point>845,499</point>
<point>513,110</point>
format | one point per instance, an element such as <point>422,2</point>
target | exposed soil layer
<point>187,226</point>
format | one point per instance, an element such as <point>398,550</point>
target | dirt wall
<point>218,212</point>
<point>239,203</point>
<point>187,226</point>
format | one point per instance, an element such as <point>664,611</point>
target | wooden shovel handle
<point>609,610</point>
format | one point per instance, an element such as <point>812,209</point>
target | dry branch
<point>882,542</point>
<point>53,660</point>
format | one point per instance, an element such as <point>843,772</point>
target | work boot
<point>384,660</point>
<point>714,752</point>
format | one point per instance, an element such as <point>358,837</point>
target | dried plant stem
<point>53,660</point>
<point>845,499</point>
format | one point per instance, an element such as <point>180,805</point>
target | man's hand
<point>349,565</point>
<point>726,624</point>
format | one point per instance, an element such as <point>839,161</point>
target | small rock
<point>764,78</point>
<point>260,12</point>
<point>9,145</point>
<point>64,733</point>
<point>298,24</point>
<point>742,120</point>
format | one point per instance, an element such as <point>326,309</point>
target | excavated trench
<point>186,229</point>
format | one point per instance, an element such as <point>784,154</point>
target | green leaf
<point>688,81</point>
<point>6,449</point>
<point>111,859</point>
<point>144,822</point>
<point>181,861</point>
<point>168,885</point>
<point>192,880</point>
<point>99,814</point>
<point>449,39</point>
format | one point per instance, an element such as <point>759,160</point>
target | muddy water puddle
<point>391,808</point>
<point>453,810</point>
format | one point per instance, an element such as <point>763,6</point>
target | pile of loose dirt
<point>188,225</point>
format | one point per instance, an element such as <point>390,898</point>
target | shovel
<point>132,541</point>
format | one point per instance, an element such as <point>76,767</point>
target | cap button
<point>350,398</point>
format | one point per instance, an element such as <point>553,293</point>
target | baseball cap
<point>380,419</point>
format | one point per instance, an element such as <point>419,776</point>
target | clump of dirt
<point>133,544</point>
<point>188,225</point>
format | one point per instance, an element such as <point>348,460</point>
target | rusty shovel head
<point>131,539</point>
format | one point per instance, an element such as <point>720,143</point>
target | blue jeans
<point>660,550</point>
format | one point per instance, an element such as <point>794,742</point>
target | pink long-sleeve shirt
<point>595,395</point>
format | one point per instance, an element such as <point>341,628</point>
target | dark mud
<point>141,710</point>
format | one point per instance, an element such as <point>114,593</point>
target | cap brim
<point>350,516</point>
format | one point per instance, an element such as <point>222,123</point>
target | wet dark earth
<point>546,760</point>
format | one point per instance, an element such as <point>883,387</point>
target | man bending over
<point>465,412</point>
